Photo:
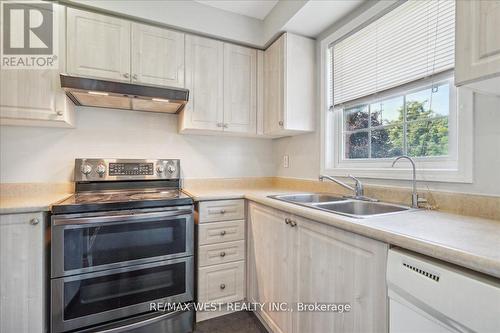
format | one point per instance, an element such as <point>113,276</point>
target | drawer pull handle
<point>223,254</point>
<point>223,211</point>
<point>222,286</point>
<point>34,221</point>
<point>223,232</point>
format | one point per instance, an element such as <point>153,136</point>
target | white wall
<point>35,154</point>
<point>304,154</point>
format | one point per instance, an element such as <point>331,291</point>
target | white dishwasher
<point>427,296</point>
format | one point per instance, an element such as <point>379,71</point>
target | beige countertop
<point>32,197</point>
<point>30,203</point>
<point>470,242</point>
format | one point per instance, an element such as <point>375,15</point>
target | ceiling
<point>253,8</point>
<point>317,15</point>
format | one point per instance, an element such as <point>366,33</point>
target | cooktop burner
<point>124,199</point>
<point>93,197</point>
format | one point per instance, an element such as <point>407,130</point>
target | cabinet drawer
<point>221,253</point>
<point>221,210</point>
<point>222,283</point>
<point>217,232</point>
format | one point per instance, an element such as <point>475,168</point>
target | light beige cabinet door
<point>204,79</point>
<point>98,46</point>
<point>336,266</point>
<point>240,89</point>
<point>22,273</point>
<point>478,44</point>
<point>289,86</point>
<point>273,87</point>
<point>34,97</point>
<point>157,56</point>
<point>271,264</point>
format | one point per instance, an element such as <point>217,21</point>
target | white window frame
<point>457,167</point>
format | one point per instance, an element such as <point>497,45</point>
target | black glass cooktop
<point>121,199</point>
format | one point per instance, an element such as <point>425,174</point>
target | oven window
<point>112,243</point>
<point>103,293</point>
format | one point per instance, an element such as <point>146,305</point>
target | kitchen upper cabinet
<point>205,81</point>
<point>110,48</point>
<point>157,56</point>
<point>222,82</point>
<point>33,97</point>
<point>240,89</point>
<point>271,264</point>
<point>295,260</point>
<point>23,280</point>
<point>98,46</point>
<point>477,59</point>
<point>336,266</point>
<point>289,86</point>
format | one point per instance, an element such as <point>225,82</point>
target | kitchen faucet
<point>358,188</point>
<point>414,196</point>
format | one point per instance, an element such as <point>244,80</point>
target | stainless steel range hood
<point>121,95</point>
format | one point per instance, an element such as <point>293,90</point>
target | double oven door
<point>113,265</point>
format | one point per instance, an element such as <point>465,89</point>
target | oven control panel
<point>125,169</point>
<point>133,169</point>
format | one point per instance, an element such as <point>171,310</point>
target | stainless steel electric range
<point>120,245</point>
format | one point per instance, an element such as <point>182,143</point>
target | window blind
<point>413,41</point>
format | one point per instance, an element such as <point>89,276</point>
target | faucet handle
<point>358,188</point>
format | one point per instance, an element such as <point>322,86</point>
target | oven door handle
<point>142,323</point>
<point>120,218</point>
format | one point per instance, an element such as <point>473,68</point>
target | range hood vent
<point>121,95</point>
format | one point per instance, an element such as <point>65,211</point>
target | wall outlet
<point>286,161</point>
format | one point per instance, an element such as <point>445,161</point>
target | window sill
<point>405,173</point>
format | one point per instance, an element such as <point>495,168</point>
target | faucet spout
<point>414,196</point>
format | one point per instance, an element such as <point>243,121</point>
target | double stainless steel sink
<point>342,205</point>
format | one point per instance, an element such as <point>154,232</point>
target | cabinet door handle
<point>288,221</point>
<point>223,232</point>
<point>223,211</point>
<point>293,223</point>
<point>223,254</point>
<point>35,221</point>
<point>222,286</point>
<point>280,122</point>
<point>134,76</point>
<point>220,125</point>
<point>59,113</point>
<point>225,125</point>
<point>126,75</point>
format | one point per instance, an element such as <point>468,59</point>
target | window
<point>414,124</point>
<point>390,92</point>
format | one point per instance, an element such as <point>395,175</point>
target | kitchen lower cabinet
<point>298,261</point>
<point>271,264</point>
<point>336,266</point>
<point>23,277</point>
<point>221,255</point>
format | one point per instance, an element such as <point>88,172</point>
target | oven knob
<point>160,169</point>
<point>171,169</point>
<point>101,169</point>
<point>86,169</point>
